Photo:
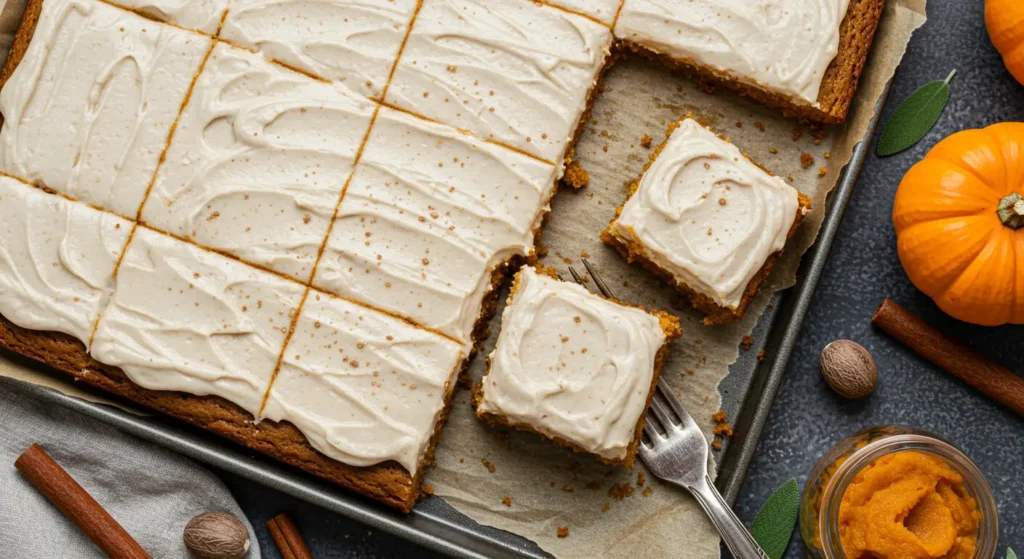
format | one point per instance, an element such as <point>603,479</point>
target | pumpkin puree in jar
<point>908,505</point>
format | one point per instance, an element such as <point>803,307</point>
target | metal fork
<point>675,450</point>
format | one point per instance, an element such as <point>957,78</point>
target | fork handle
<point>736,537</point>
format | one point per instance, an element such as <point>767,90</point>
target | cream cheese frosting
<point>783,46</point>
<point>601,10</point>
<point>510,71</point>
<point>363,387</point>
<point>57,260</point>
<point>429,214</point>
<point>200,15</point>
<point>706,214</point>
<point>353,42</point>
<point>572,365</point>
<point>88,109</point>
<point>258,161</point>
<point>182,318</point>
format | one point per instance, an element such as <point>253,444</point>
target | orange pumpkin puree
<point>908,505</point>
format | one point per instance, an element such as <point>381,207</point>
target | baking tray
<point>747,395</point>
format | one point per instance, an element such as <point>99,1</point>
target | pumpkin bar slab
<point>803,57</point>
<point>707,220</point>
<point>575,367</point>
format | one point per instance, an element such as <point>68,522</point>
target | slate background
<point>807,418</point>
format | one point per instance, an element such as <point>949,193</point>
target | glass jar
<point>819,507</point>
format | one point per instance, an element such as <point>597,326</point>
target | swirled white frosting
<point>783,46</point>
<point>363,387</point>
<point>707,214</point>
<point>353,42</point>
<point>201,15</point>
<point>601,10</point>
<point>88,109</point>
<point>56,260</point>
<point>428,215</point>
<point>183,318</point>
<point>572,365</point>
<point>511,71</point>
<point>258,161</point>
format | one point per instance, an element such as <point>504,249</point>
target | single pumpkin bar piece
<point>707,220</point>
<point>574,367</point>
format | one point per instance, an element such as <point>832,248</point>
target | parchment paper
<point>639,98</point>
<point>548,486</point>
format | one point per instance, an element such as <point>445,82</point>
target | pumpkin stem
<point>1011,211</point>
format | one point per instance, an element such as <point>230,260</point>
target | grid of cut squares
<point>99,144</point>
<point>428,216</point>
<point>170,305</point>
<point>258,161</point>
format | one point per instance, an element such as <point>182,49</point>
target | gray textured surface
<point>807,418</point>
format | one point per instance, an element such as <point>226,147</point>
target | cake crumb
<point>575,176</point>
<point>620,491</point>
<point>716,444</point>
<point>739,124</point>
<point>568,488</point>
<point>747,341</point>
<point>584,254</point>
<point>828,155</point>
<point>789,178</point>
<point>806,160</point>
<point>822,171</point>
<point>723,429</point>
<point>719,416</point>
<point>563,531</point>
<point>797,133</point>
<point>641,479</point>
<point>759,126</point>
<point>507,501</point>
<point>760,355</point>
<point>606,507</point>
<point>487,464</point>
<point>647,492</point>
<point>773,150</point>
<point>428,489</point>
<point>646,140</point>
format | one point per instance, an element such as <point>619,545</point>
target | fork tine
<point>675,404</point>
<point>651,429</point>
<point>576,276</point>
<point>597,279</point>
<point>661,412</point>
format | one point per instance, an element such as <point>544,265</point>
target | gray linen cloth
<point>150,490</point>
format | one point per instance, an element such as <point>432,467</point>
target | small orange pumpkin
<point>959,218</point>
<point>1005,22</point>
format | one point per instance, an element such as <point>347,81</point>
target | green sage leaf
<point>773,527</point>
<point>914,117</point>
<point>1010,554</point>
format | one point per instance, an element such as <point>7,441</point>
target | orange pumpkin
<point>1005,22</point>
<point>959,218</point>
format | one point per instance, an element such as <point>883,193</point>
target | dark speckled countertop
<point>807,418</point>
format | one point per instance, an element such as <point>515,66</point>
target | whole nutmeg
<point>848,369</point>
<point>217,535</point>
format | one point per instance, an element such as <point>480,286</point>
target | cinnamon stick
<point>77,504</point>
<point>287,537</point>
<point>996,381</point>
